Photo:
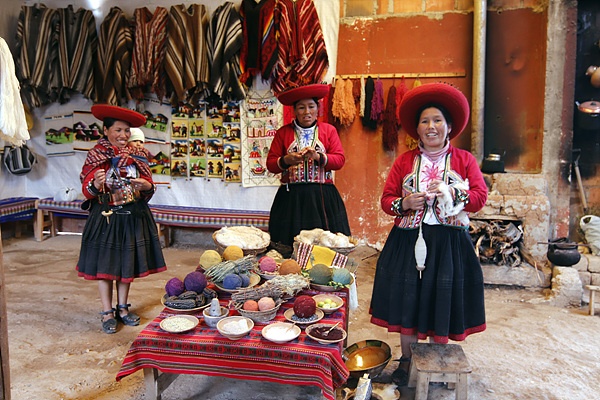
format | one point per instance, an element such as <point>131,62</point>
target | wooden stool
<point>438,363</point>
<point>593,289</point>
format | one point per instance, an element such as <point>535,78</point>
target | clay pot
<point>563,253</point>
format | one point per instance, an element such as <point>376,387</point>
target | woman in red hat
<point>428,281</point>
<point>306,152</point>
<point>120,241</point>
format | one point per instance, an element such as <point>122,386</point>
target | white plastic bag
<point>66,194</point>
<point>590,224</point>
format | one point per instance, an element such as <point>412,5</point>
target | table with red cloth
<point>203,350</point>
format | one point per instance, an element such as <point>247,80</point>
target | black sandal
<point>129,319</point>
<point>400,375</point>
<point>110,325</point>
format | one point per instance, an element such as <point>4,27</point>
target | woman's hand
<point>414,201</point>
<point>141,184</point>
<point>99,178</point>
<point>310,153</point>
<point>294,158</point>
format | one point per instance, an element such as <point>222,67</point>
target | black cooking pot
<point>588,115</point>
<point>563,253</point>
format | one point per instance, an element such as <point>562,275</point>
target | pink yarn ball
<point>267,264</point>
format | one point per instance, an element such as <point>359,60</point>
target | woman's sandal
<point>110,325</point>
<point>129,319</point>
<point>400,375</point>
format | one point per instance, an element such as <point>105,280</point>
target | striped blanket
<point>204,351</point>
<point>17,209</point>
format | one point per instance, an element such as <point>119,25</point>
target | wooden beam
<point>4,365</point>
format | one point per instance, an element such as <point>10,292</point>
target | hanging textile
<point>412,143</point>
<point>186,61</point>
<point>390,123</point>
<point>149,49</point>
<point>115,46</point>
<point>361,108</point>
<point>400,92</point>
<point>225,40</point>
<point>76,53</point>
<point>301,53</point>
<point>13,123</point>
<point>259,47</point>
<point>37,54</point>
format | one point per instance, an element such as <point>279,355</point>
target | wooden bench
<point>593,289</point>
<point>198,217</point>
<point>17,209</point>
<point>55,210</point>
<point>438,363</point>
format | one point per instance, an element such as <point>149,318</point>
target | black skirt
<point>446,303</point>
<point>124,247</point>
<point>306,206</point>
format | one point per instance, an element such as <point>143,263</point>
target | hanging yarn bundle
<point>420,251</point>
<point>343,108</point>
<point>377,102</point>
<point>367,121</point>
<point>400,92</point>
<point>390,122</point>
<point>362,96</point>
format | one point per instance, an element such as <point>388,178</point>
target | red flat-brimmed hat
<point>133,118</point>
<point>314,91</point>
<point>449,97</point>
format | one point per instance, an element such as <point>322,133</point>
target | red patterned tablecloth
<point>204,351</point>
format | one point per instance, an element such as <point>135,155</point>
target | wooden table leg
<point>157,382</point>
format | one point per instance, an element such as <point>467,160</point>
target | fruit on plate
<point>209,258</point>
<point>305,306</point>
<point>266,303</point>
<point>320,274</point>
<point>174,287</point>
<point>327,303</point>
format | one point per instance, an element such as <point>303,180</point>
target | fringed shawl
<point>104,152</point>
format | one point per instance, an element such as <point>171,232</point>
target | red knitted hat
<point>290,96</point>
<point>449,97</point>
<point>133,118</point>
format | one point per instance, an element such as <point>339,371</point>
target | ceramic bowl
<point>331,302</point>
<point>211,320</point>
<point>337,334</point>
<point>235,328</point>
<point>281,332</point>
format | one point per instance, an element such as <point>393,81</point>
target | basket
<point>247,252</point>
<point>342,250</point>
<point>259,317</point>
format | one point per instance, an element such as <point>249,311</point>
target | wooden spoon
<point>326,333</point>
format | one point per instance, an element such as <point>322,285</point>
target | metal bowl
<point>367,356</point>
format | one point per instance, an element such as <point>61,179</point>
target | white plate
<point>281,332</point>
<point>309,333</point>
<point>254,280</point>
<point>179,323</point>
<point>291,316</point>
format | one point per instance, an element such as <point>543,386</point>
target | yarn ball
<point>267,264</point>
<point>174,287</point>
<point>195,281</point>
<point>305,306</point>
<point>250,305</point>
<point>232,281</point>
<point>289,266</point>
<point>209,258</point>
<point>233,253</point>
<point>266,303</point>
<point>245,280</point>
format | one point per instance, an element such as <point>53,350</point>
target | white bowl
<point>240,327</point>
<point>211,320</point>
<point>333,298</point>
<point>281,332</point>
<point>179,323</point>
